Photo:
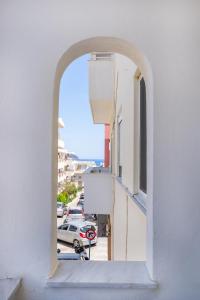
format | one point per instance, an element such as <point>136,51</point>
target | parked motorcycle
<point>80,249</point>
<point>67,256</point>
<point>80,254</point>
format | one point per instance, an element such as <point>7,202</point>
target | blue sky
<point>80,134</point>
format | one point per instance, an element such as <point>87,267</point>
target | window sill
<point>8,288</point>
<point>141,199</point>
<point>138,198</point>
<point>96,274</point>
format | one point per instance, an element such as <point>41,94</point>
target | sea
<point>98,162</point>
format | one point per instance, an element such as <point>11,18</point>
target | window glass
<point>75,211</point>
<point>85,228</point>
<point>72,228</point>
<point>65,227</point>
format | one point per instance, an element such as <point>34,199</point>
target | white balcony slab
<point>101,90</point>
<point>96,274</point>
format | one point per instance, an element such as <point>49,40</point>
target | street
<point>98,251</point>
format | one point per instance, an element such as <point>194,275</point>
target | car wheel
<point>76,243</point>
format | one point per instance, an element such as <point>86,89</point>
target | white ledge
<point>137,198</point>
<point>87,274</point>
<point>8,288</point>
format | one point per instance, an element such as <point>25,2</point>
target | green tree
<point>62,197</point>
<point>71,190</point>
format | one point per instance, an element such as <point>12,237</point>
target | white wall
<point>101,90</point>
<point>125,71</point>
<point>119,224</point>
<point>98,192</point>
<point>33,37</point>
<point>129,228</point>
<point>136,235</point>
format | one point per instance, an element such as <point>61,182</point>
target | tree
<point>62,197</point>
<point>71,190</point>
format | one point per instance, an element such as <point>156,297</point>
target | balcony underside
<point>102,111</point>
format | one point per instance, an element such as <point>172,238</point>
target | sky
<point>79,134</point>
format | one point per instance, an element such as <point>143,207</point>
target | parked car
<point>81,196</point>
<point>81,203</point>
<point>74,232</point>
<point>60,209</point>
<point>74,213</point>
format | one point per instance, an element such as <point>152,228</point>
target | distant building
<point>62,158</point>
<point>80,166</point>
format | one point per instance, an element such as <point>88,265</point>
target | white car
<point>60,209</point>
<point>74,213</point>
<point>74,232</point>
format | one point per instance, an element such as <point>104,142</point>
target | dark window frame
<point>119,150</point>
<point>143,139</point>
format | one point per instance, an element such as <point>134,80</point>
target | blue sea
<point>98,162</point>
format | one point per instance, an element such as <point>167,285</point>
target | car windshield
<point>75,211</point>
<point>59,205</point>
<point>85,228</point>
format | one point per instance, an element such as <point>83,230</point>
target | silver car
<point>74,232</point>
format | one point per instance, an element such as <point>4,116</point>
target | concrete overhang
<point>101,90</point>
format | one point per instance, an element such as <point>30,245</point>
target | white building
<point>80,166</point>
<point>39,39</point>
<point>67,163</point>
<point>62,159</point>
<point>116,83</point>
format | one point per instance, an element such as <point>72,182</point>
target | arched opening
<point>115,45</point>
<point>80,148</point>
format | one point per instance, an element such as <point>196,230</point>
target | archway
<point>106,44</point>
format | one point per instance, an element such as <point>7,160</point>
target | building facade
<point>126,194</point>
<point>80,166</point>
<point>62,159</point>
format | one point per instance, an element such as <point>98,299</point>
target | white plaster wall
<point>33,36</point>
<point>125,71</point>
<point>136,235</point>
<point>119,224</point>
<point>129,228</point>
<point>98,193</point>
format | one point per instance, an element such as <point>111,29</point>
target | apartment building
<point>124,185</point>
<point>62,159</point>
<point>80,166</point>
